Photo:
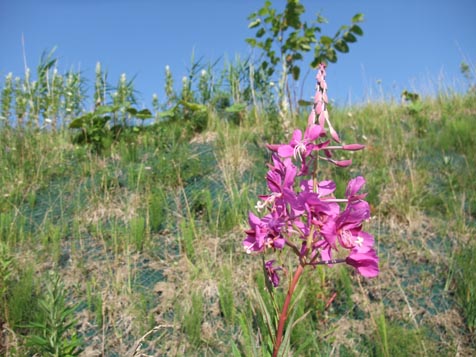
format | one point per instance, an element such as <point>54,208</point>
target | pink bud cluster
<point>302,213</point>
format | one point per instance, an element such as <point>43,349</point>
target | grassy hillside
<point>142,236</point>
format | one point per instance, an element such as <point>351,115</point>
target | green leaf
<point>321,19</point>
<point>349,37</point>
<point>296,56</point>
<point>266,315</point>
<point>77,123</point>
<point>132,111</point>
<point>81,121</point>
<point>343,28</point>
<point>234,349</point>
<point>103,109</point>
<point>358,18</point>
<point>357,30</point>
<point>341,46</point>
<point>254,23</point>
<point>251,41</point>
<point>168,113</point>
<point>264,10</point>
<point>325,40</point>
<point>316,61</point>
<point>236,108</point>
<point>296,71</point>
<point>37,341</point>
<point>260,32</point>
<point>144,114</point>
<point>331,55</point>
<point>193,106</point>
<point>304,103</point>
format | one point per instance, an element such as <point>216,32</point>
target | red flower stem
<point>284,311</point>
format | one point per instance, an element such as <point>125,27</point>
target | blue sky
<point>407,44</point>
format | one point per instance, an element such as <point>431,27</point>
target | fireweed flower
<point>301,213</point>
<point>279,178</point>
<point>353,187</point>
<point>299,147</point>
<point>365,263</point>
<point>264,233</point>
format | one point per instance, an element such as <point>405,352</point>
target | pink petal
<point>365,263</point>
<point>297,136</point>
<point>354,186</point>
<point>313,132</point>
<point>285,151</point>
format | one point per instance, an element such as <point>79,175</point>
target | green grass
<point>146,235</point>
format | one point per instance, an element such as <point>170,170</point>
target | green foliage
<point>225,292</point>
<point>157,210</point>
<point>56,324</point>
<point>95,302</point>
<point>285,37</point>
<point>94,129</point>
<point>192,319</point>
<point>188,236</point>
<point>6,98</point>
<point>138,232</point>
<point>44,101</point>
<point>22,294</point>
<point>465,278</point>
<point>392,339</point>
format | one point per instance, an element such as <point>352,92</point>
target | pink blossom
<point>365,263</point>
<point>299,147</point>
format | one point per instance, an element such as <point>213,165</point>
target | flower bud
<point>353,147</point>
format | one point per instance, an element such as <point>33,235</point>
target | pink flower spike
<point>353,147</point>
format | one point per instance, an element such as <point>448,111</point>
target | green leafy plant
<point>56,325</point>
<point>225,292</point>
<point>284,36</point>
<point>94,129</point>
<point>192,317</point>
